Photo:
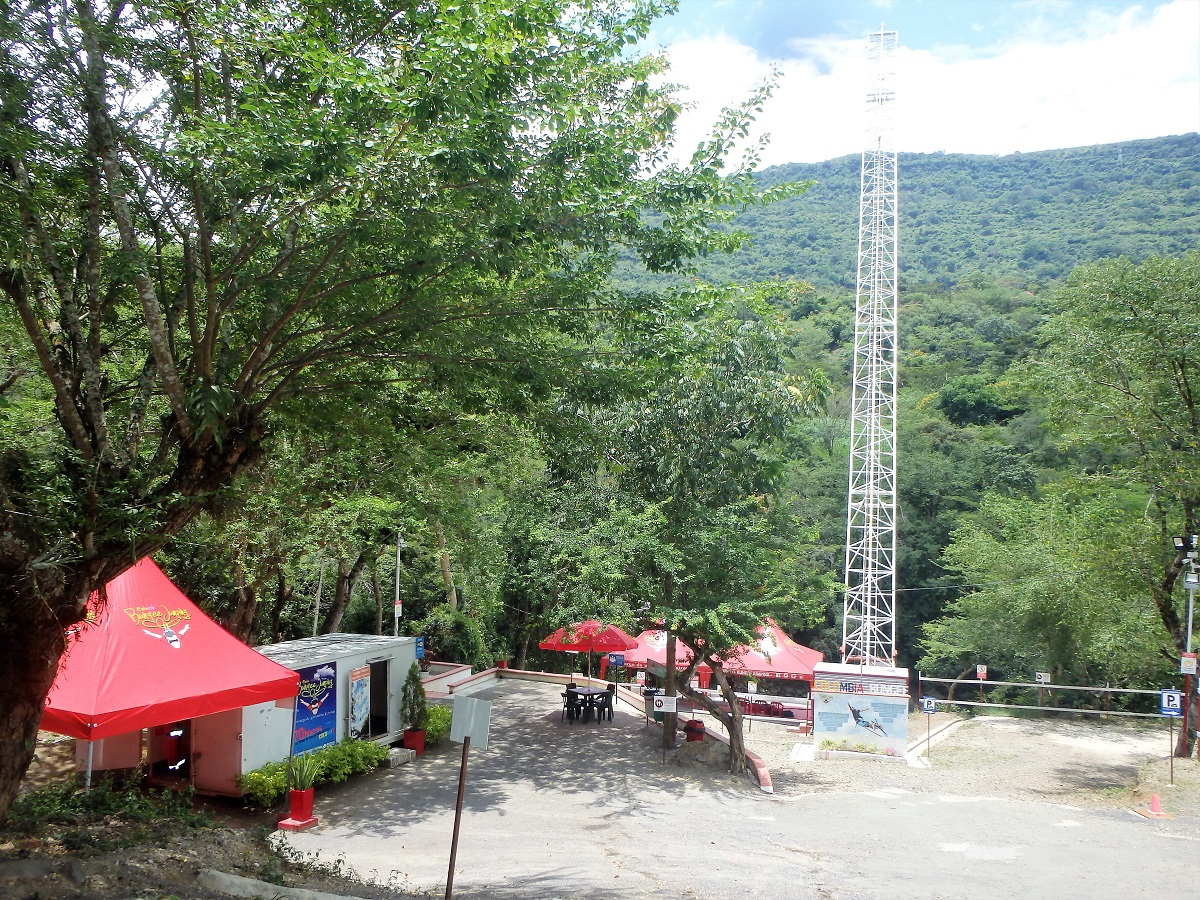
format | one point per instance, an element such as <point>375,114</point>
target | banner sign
<point>420,648</point>
<point>859,684</point>
<point>316,709</point>
<point>360,701</point>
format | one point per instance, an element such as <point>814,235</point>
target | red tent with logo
<point>150,657</point>
<point>773,655</point>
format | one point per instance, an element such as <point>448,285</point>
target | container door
<point>217,753</point>
<point>381,696</point>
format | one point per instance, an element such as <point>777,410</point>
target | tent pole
<point>87,778</point>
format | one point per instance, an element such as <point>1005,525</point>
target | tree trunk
<point>29,655</point>
<point>283,593</point>
<point>732,722</point>
<point>670,719</point>
<point>245,614</point>
<point>347,578</point>
<point>444,560</point>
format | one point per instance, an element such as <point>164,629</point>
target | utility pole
<point>869,611</point>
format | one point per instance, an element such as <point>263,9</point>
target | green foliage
<point>452,636</point>
<point>438,725</point>
<point>104,818</point>
<point>1056,593</point>
<point>340,761</point>
<point>334,763</point>
<point>266,784</point>
<point>414,706</point>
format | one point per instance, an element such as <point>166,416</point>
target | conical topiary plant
<point>414,707</point>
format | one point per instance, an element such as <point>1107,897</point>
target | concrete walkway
<point>557,810</point>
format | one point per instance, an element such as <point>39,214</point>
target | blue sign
<point>420,648</point>
<point>316,708</point>
<point>928,706</point>
<point>616,659</point>
<point>1170,704</point>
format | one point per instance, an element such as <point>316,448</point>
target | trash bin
<point>650,694</point>
<point>694,729</point>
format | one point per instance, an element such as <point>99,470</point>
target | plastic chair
<point>573,706</point>
<point>604,703</point>
<point>776,708</point>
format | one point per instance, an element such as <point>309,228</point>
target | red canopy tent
<point>150,657</point>
<point>773,655</point>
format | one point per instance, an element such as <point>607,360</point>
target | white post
<point>87,778</point>
<point>396,602</point>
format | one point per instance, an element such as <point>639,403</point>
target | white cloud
<point>1125,77</point>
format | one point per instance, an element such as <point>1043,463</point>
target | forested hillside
<point>1028,216</point>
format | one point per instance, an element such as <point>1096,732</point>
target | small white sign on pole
<point>981,673</point>
<point>664,704</point>
<point>1042,677</point>
<point>471,718</point>
<point>1187,664</point>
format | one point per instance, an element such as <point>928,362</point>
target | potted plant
<point>414,710</point>
<point>305,770</point>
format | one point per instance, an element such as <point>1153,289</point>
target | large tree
<point>1121,367</point>
<point>213,211</point>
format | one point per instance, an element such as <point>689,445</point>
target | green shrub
<point>266,784</point>
<point>336,762</point>
<point>439,724</point>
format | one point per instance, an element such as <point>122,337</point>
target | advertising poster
<point>360,701</point>
<point>316,709</point>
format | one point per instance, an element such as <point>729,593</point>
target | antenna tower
<point>869,614</point>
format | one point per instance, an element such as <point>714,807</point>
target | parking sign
<point>1170,704</point>
<point>928,706</point>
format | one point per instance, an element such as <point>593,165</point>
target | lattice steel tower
<point>869,620</point>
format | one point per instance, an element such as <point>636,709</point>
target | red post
<point>1187,709</point>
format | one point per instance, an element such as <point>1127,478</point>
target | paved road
<point>587,811</point>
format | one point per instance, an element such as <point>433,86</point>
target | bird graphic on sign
<point>868,721</point>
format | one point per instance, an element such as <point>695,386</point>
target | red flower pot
<point>414,740</point>
<point>301,803</point>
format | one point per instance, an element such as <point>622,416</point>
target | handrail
<point>1034,684</point>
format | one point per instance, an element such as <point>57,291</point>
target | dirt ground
<point>1092,763</point>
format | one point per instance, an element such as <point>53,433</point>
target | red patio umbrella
<point>589,637</point>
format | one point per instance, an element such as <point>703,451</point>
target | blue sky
<point>972,76</point>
